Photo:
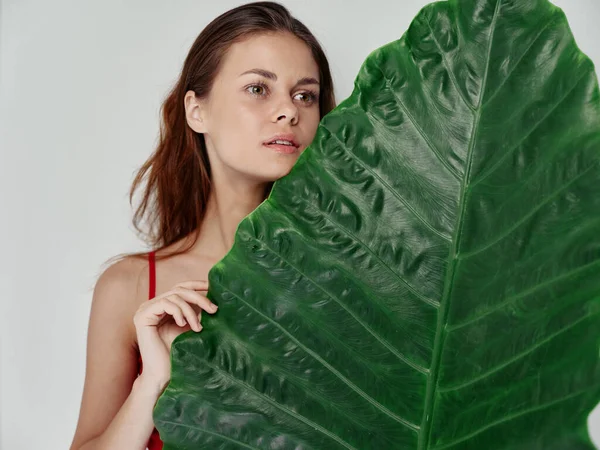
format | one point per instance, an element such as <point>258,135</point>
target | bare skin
<point>236,120</point>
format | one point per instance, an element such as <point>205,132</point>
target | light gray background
<point>81,83</point>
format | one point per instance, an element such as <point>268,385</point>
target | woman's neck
<point>228,204</point>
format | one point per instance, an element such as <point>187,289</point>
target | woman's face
<point>267,86</point>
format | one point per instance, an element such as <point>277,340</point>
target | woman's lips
<point>282,148</point>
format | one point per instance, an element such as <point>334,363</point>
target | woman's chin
<point>267,170</point>
<point>278,170</point>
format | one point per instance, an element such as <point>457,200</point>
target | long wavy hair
<point>177,175</point>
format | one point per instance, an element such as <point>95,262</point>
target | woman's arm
<point>116,408</point>
<point>131,427</point>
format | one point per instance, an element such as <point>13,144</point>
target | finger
<point>198,299</point>
<point>173,309</point>
<point>187,310</point>
<point>198,285</point>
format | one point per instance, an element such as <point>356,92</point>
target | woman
<point>252,91</point>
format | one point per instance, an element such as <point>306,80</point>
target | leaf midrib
<point>425,431</point>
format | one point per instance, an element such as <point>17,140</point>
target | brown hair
<point>178,172</point>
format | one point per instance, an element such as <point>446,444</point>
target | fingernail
<point>213,307</point>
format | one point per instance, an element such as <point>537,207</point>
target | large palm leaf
<point>426,277</point>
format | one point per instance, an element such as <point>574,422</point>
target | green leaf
<point>426,277</point>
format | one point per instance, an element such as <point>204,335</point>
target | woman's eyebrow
<point>306,80</point>
<point>272,76</point>
<point>262,73</point>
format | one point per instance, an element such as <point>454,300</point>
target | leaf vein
<point>418,128</point>
<point>450,73</point>
<point>390,189</point>
<point>204,430</point>
<point>383,341</point>
<point>491,97</point>
<point>509,152</point>
<point>269,400</point>
<point>527,216</point>
<point>512,417</point>
<point>522,294</point>
<point>413,290</point>
<point>515,358</point>
<point>328,366</point>
<point>356,419</point>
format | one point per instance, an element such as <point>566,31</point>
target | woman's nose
<point>286,111</point>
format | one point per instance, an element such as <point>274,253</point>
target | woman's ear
<point>195,112</point>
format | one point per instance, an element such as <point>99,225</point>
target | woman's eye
<point>306,97</point>
<point>256,89</point>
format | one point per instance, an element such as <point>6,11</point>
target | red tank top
<point>154,443</point>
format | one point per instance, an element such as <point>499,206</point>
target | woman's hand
<point>160,320</point>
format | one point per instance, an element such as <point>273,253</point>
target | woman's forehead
<point>280,53</point>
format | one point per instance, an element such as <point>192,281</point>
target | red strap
<point>151,293</point>
<point>154,443</point>
<point>152,275</point>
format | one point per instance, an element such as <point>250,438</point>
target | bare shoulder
<point>127,277</point>
<point>120,289</point>
<point>111,357</point>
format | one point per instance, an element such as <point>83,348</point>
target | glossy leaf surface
<point>427,276</point>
